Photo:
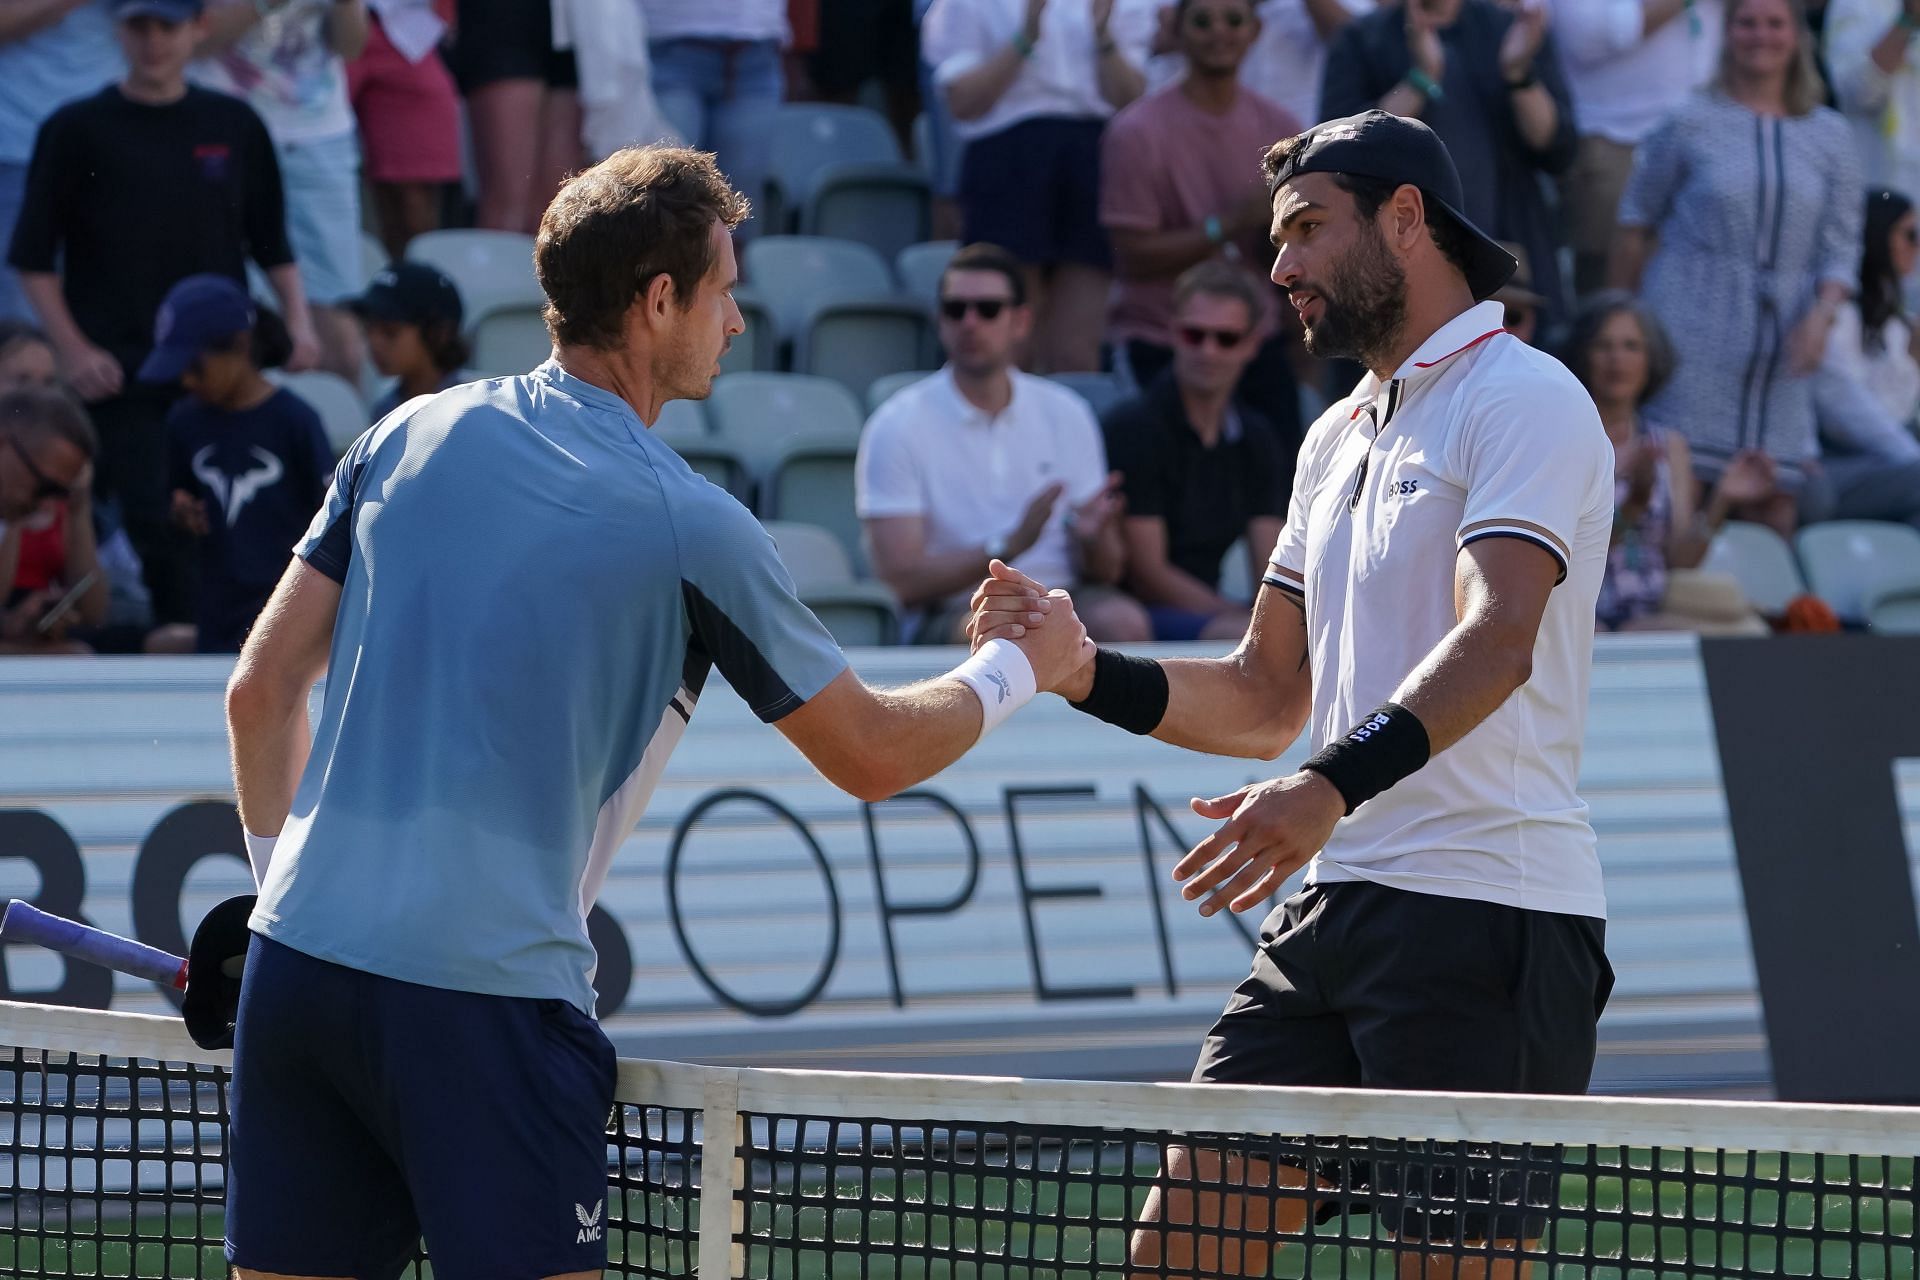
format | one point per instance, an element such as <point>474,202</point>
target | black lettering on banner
<point>194,831</point>
<point>888,909</point>
<point>1030,893</point>
<point>34,837</point>
<point>1144,805</point>
<point>613,971</point>
<point>759,1008</point>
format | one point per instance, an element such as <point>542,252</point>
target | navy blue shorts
<point>368,1113</point>
<point>1034,190</point>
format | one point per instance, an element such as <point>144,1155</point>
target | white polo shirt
<point>929,451</point>
<point>1059,79</point>
<point>1476,436</point>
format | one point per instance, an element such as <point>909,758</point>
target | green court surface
<point>1665,1216</point>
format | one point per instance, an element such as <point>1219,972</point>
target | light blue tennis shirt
<point>533,590</point>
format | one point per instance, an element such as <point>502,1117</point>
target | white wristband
<point>259,853</point>
<point>1001,677</point>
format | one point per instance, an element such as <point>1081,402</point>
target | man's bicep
<point>1276,643</point>
<point>1505,581</point>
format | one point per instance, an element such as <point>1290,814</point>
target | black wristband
<point>1127,691</point>
<point>1373,755</point>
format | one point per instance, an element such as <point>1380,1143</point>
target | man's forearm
<point>935,576</point>
<point>1328,16</point>
<point>50,304</point>
<point>292,294</point>
<point>1101,558</point>
<point>1173,587</point>
<point>1119,80</point>
<point>1466,678</point>
<point>1160,255</point>
<point>271,740</point>
<point>1535,114</point>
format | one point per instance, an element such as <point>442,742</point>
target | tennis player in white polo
<point>517,594</point>
<point>1428,616</point>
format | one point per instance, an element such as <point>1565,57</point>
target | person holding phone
<point>50,578</point>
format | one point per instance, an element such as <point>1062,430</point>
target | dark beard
<point>1364,305</point>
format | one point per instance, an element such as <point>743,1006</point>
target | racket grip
<point>23,922</point>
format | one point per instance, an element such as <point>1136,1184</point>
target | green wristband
<point>1907,22</point>
<point>1022,45</point>
<point>1424,84</point>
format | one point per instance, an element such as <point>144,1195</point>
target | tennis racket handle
<point>26,923</point>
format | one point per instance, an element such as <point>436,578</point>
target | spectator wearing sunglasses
<point>1201,469</point>
<point>1176,190</point>
<point>981,461</point>
<point>46,523</point>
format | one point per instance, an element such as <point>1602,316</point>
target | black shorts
<point>369,1112</point>
<point>1034,190</point>
<point>508,40</point>
<point>1356,985</point>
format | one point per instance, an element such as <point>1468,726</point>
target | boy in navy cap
<point>130,190</point>
<point>249,460</point>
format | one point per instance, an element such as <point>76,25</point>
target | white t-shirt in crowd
<point>1477,435</point>
<point>1058,80</point>
<point>716,19</point>
<point>1624,81</point>
<point>1285,63</point>
<point>285,68</point>
<point>928,451</point>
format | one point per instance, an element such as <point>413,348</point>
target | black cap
<point>410,292</point>
<point>1378,144</point>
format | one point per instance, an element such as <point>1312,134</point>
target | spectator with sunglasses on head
<point>982,462</point>
<point>1176,190</point>
<point>1201,469</point>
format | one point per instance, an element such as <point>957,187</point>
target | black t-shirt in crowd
<point>126,199</point>
<point>262,473</point>
<point>1205,495</point>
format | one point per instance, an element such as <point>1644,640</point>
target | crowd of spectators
<point>1709,199</point>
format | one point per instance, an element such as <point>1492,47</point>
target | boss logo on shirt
<point>1402,488</point>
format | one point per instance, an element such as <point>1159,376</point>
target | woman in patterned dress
<point>1740,228</point>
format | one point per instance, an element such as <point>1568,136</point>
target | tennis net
<point>112,1135</point>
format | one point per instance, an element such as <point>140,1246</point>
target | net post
<point>719,1258</point>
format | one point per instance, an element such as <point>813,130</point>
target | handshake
<point>1010,606</point>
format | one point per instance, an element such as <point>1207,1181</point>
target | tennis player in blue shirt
<point>516,593</point>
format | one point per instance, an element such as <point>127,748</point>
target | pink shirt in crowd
<point>1166,165</point>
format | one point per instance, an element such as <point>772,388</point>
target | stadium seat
<point>510,340</point>
<point>856,613</point>
<point>1896,614</point>
<point>492,269</point>
<point>343,413</point>
<point>683,427</point>
<point>1236,576</point>
<point>757,413</point>
<point>885,207</point>
<point>682,419</point>
<point>1760,561</point>
<point>812,483</point>
<point>373,258</point>
<point>1101,390</point>
<point>757,349</point>
<point>1855,564</point>
<point>920,267</point>
<point>796,276</point>
<point>857,343</point>
<point>811,137</point>
<point>884,388</point>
